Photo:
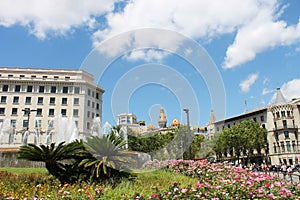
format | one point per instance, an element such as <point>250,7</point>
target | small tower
<point>279,97</point>
<point>212,118</point>
<point>162,120</point>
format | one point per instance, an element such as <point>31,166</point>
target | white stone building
<point>48,94</point>
<point>282,121</point>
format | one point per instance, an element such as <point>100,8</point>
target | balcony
<point>277,128</point>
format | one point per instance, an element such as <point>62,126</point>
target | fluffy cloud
<point>56,17</point>
<point>256,23</point>
<point>290,90</point>
<point>248,82</point>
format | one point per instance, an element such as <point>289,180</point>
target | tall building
<point>30,99</point>
<point>282,121</point>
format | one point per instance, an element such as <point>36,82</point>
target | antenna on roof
<point>246,109</point>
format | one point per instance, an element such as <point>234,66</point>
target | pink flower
<point>215,198</point>
<point>272,196</point>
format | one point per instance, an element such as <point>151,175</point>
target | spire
<point>162,120</point>
<point>212,118</point>
<point>279,97</point>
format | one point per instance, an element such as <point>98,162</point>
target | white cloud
<point>290,90</point>
<point>55,17</point>
<point>248,82</point>
<point>147,55</point>
<point>255,22</point>
<point>266,80</point>
<point>267,91</point>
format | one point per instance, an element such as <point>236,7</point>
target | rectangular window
<point>25,123</point>
<point>294,146</point>
<point>262,118</point>
<point>64,112</point>
<point>75,112</point>
<point>53,89</point>
<point>254,119</point>
<point>76,123</point>
<point>284,123</point>
<point>286,135</point>
<point>14,111</point>
<point>89,103</point>
<point>55,77</point>
<point>282,147</point>
<point>93,93</point>
<point>13,123</point>
<point>97,95</point>
<point>2,111</point>
<point>45,77</point>
<point>89,92</point>
<point>88,114</point>
<point>40,100</point>
<point>3,99</point>
<point>274,146</point>
<point>39,112</point>
<point>52,100</point>
<point>288,146</point>
<point>28,100</point>
<point>51,112</point>
<point>288,113</point>
<point>282,113</point>
<point>50,123</point>
<point>88,125</point>
<point>93,104</point>
<point>65,90</point>
<point>16,100</point>
<point>17,88</point>
<point>93,115</point>
<point>97,106</point>
<point>76,101</point>
<point>277,115</point>
<point>77,90</point>
<point>4,88</point>
<point>41,89</point>
<point>29,88</point>
<point>64,101</point>
<point>38,123</point>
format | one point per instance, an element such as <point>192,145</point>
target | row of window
<point>40,101</point>
<point>285,147</point>
<point>51,112</point>
<point>286,135</point>
<point>284,114</point>
<point>34,76</point>
<point>52,89</point>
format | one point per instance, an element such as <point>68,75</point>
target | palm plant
<point>107,158</point>
<point>61,161</point>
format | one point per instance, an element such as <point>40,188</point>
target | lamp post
<point>27,112</point>
<point>189,132</point>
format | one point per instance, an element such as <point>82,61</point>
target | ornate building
<point>282,121</point>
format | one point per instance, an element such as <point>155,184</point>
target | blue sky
<point>246,49</point>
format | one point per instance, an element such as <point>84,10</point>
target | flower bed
<point>222,181</point>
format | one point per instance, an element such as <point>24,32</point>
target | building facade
<point>30,99</point>
<point>282,121</point>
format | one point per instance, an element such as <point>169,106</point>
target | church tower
<point>162,120</point>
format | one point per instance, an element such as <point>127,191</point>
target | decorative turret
<point>212,118</point>
<point>162,120</point>
<point>279,97</point>
<point>175,122</point>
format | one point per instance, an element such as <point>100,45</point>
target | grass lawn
<point>24,170</point>
<point>25,185</point>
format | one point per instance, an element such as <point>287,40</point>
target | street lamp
<point>27,112</point>
<point>189,132</point>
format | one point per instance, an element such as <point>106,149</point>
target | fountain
<point>61,129</point>
<point>96,127</point>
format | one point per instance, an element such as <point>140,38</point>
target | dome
<point>151,127</point>
<point>175,122</point>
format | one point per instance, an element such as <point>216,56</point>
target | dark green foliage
<point>94,160</point>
